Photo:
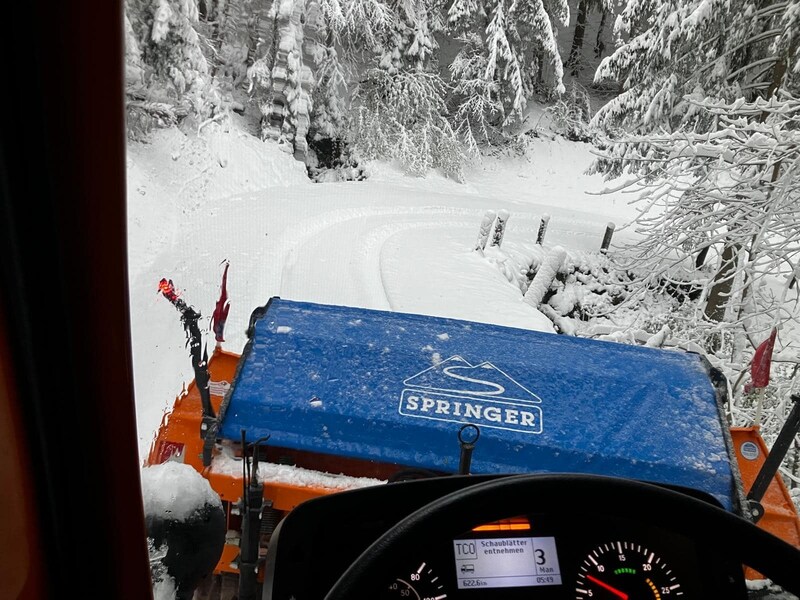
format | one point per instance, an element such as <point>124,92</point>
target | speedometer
<point>419,583</point>
<point>621,570</point>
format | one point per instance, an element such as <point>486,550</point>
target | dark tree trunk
<point>574,60</point>
<point>722,285</point>
<point>701,257</point>
<point>215,14</point>
<point>599,45</point>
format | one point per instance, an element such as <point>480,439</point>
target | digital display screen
<point>506,562</point>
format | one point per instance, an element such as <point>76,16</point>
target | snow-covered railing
<point>543,275</point>
<point>493,228</point>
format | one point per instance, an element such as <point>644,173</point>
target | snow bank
<point>292,475</point>
<point>175,174</point>
<point>221,160</point>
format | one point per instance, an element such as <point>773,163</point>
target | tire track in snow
<point>372,251</point>
<point>355,236</point>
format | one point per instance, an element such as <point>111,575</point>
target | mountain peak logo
<point>457,376</point>
<point>482,394</point>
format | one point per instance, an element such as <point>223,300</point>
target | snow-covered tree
<point>233,30</point>
<point>300,80</point>
<point>166,69</point>
<point>572,112</point>
<point>463,15</point>
<point>134,67</point>
<point>401,98</point>
<point>478,112</point>
<point>329,115</point>
<point>518,54</point>
<point>411,43</point>
<point>360,27</point>
<point>733,191</point>
<point>284,77</point>
<point>171,51</point>
<point>677,52</point>
<point>330,156</point>
<point>403,116</point>
<point>681,61</point>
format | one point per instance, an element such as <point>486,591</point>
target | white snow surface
<point>176,491</point>
<point>290,474</point>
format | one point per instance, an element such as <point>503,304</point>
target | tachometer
<point>419,583</point>
<point>626,571</point>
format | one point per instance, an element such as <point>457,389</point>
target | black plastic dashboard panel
<point>317,541</point>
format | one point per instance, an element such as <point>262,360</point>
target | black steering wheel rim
<point>500,498</point>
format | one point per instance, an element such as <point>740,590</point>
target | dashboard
<point>572,554</point>
<point>555,559</point>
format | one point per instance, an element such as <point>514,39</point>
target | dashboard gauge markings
<point>624,570</point>
<point>419,583</point>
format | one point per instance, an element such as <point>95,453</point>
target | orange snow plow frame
<point>179,439</point>
<point>780,515</point>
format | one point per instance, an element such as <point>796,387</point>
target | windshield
<point>620,173</point>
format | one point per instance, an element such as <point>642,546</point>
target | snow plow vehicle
<point>328,406</point>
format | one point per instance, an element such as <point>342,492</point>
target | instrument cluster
<point>565,554</point>
<point>537,556</point>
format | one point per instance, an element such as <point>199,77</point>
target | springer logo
<point>456,391</point>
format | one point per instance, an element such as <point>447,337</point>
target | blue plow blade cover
<point>397,388</point>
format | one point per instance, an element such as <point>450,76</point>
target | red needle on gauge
<point>613,590</point>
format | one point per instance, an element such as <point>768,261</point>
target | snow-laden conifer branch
<point>696,49</point>
<point>359,25</point>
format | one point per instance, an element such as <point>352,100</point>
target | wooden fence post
<point>500,227</point>
<point>607,238</point>
<point>542,229</point>
<point>485,230</point>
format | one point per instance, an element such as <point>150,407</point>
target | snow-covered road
<point>387,243</point>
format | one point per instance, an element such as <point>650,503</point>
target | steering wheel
<point>567,494</point>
